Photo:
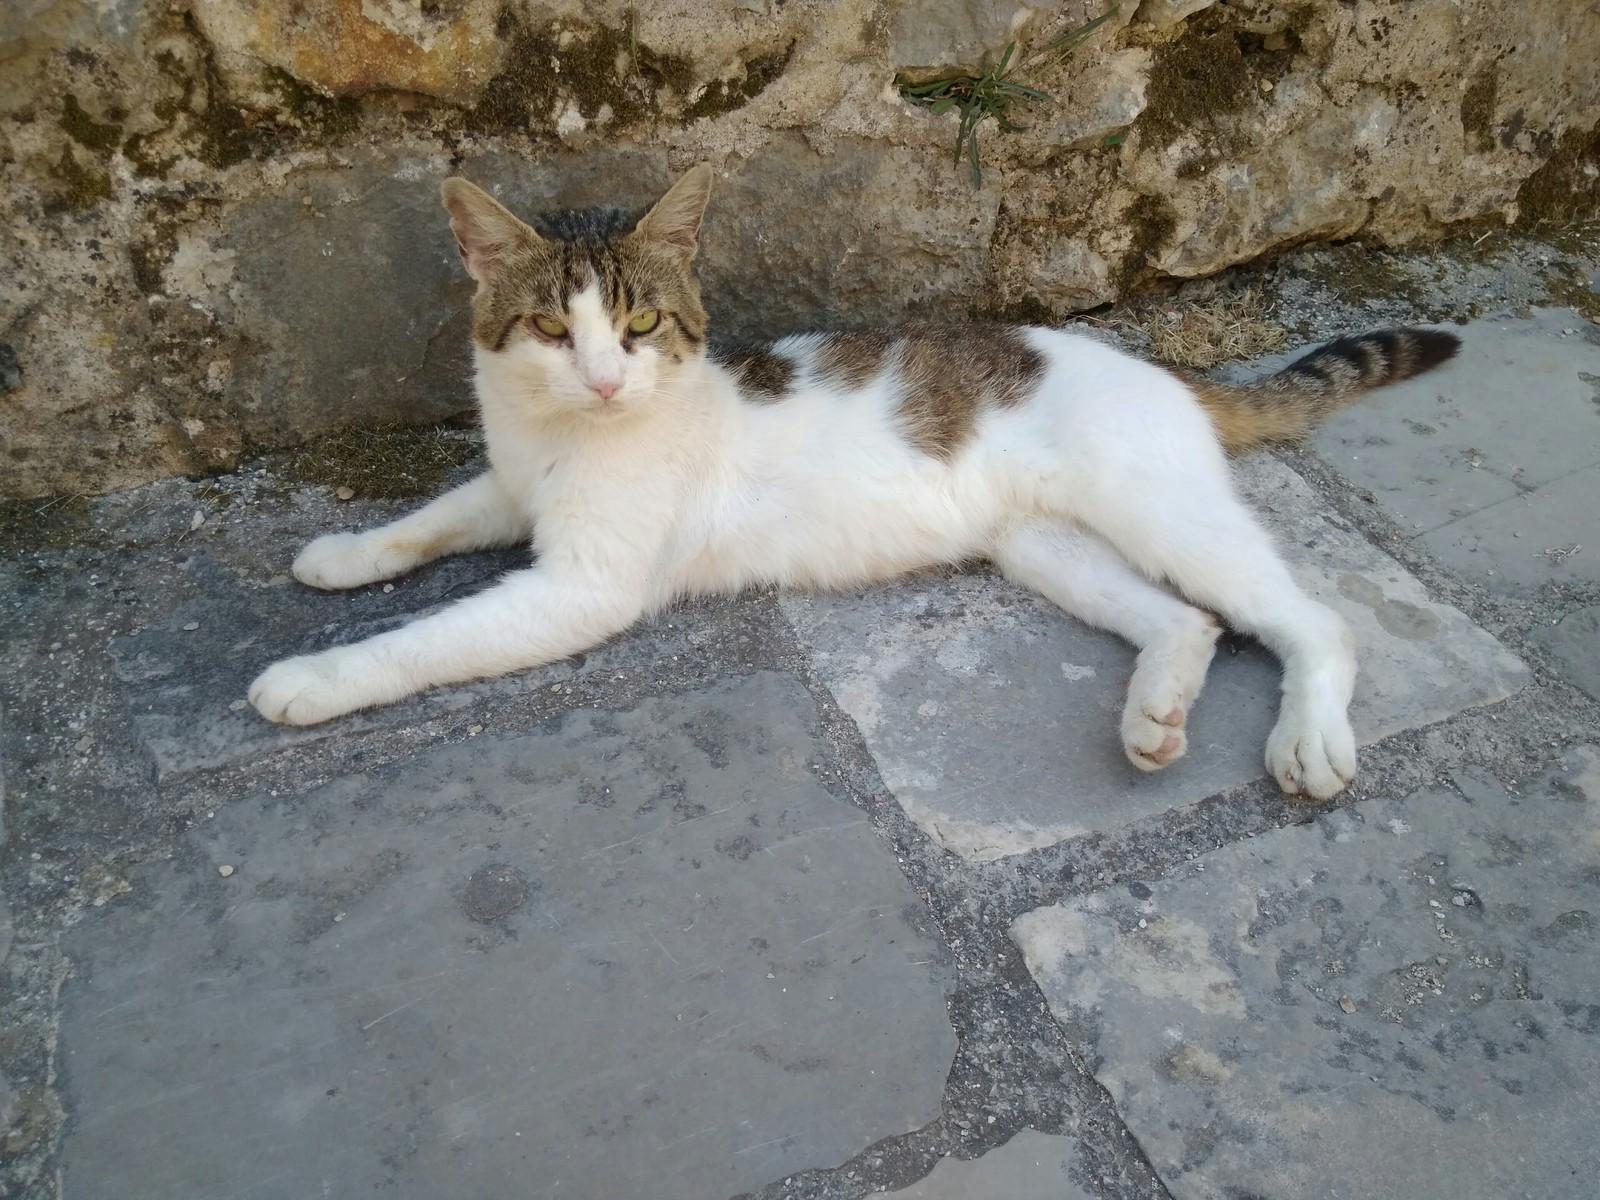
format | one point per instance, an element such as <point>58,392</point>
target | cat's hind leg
<point>1175,640</point>
<point>1182,522</point>
<point>474,516</point>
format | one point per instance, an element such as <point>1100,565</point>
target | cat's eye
<point>550,327</point>
<point>645,321</point>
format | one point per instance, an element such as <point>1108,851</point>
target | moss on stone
<point>1477,111</point>
<point>598,68</point>
<point>48,523</point>
<point>723,96</point>
<point>1151,219</point>
<point>80,187</point>
<point>1029,310</point>
<point>1197,78</point>
<point>387,462</point>
<point>99,136</point>
<point>1569,285</point>
<point>1567,188</point>
<point>1354,271</point>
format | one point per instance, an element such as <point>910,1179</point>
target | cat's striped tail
<point>1285,407</point>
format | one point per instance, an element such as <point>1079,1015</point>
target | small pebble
<point>1441,960</point>
<point>1347,1004</point>
<point>388,587</point>
<point>237,705</point>
<point>474,730</point>
<point>191,626</point>
<point>346,493</point>
<point>197,520</point>
<point>224,870</point>
<point>1141,922</point>
<point>1458,900</point>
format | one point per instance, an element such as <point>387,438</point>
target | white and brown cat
<point>644,469</point>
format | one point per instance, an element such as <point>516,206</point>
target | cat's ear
<point>484,228</point>
<point>675,219</point>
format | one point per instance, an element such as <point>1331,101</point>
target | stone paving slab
<point>185,676</point>
<point>935,670</point>
<point>634,954</point>
<point>1504,441</point>
<point>1549,535</point>
<point>1401,999</point>
<point>1574,642</point>
<point>1031,1166</point>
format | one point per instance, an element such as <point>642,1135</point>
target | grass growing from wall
<point>992,93</point>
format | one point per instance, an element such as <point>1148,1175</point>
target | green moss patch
<point>80,186</point>
<point>1356,272</point>
<point>388,462</point>
<point>1152,221</point>
<point>1570,286</point>
<point>1567,188</point>
<point>99,136</point>
<point>723,96</point>
<point>50,523</point>
<point>598,68</point>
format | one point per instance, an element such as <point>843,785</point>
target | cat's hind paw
<point>1165,683</point>
<point>1154,741</point>
<point>306,690</point>
<point>1311,758</point>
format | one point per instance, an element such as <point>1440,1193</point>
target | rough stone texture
<point>1528,434</point>
<point>931,671</point>
<point>1301,1014</point>
<point>1574,642</point>
<point>166,308</point>
<point>635,953</point>
<point>1031,1166</point>
<point>447,50</point>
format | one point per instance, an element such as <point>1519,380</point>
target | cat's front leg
<point>474,516</point>
<point>531,618</point>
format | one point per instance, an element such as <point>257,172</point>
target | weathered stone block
<point>1296,1014</point>
<point>629,954</point>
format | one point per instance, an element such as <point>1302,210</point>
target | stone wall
<point>219,230</point>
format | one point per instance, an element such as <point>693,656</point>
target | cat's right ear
<point>484,228</point>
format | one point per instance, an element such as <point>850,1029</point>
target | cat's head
<point>595,310</point>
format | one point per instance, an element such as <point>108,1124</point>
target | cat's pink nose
<point>606,388</point>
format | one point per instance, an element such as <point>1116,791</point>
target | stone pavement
<point>822,896</point>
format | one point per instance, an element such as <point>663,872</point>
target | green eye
<point>645,321</point>
<point>550,327</point>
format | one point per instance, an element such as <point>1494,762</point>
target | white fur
<point>1109,477</point>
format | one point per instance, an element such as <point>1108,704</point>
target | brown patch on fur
<point>762,374</point>
<point>948,374</point>
<point>1285,407</point>
<point>850,360</point>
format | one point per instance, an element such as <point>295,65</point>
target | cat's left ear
<point>675,219</point>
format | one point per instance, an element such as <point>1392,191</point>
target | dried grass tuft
<point>1206,333</point>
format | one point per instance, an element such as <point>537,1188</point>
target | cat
<point>645,469</point>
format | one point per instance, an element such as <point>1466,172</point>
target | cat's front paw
<point>307,690</point>
<point>337,561</point>
<point>1310,757</point>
